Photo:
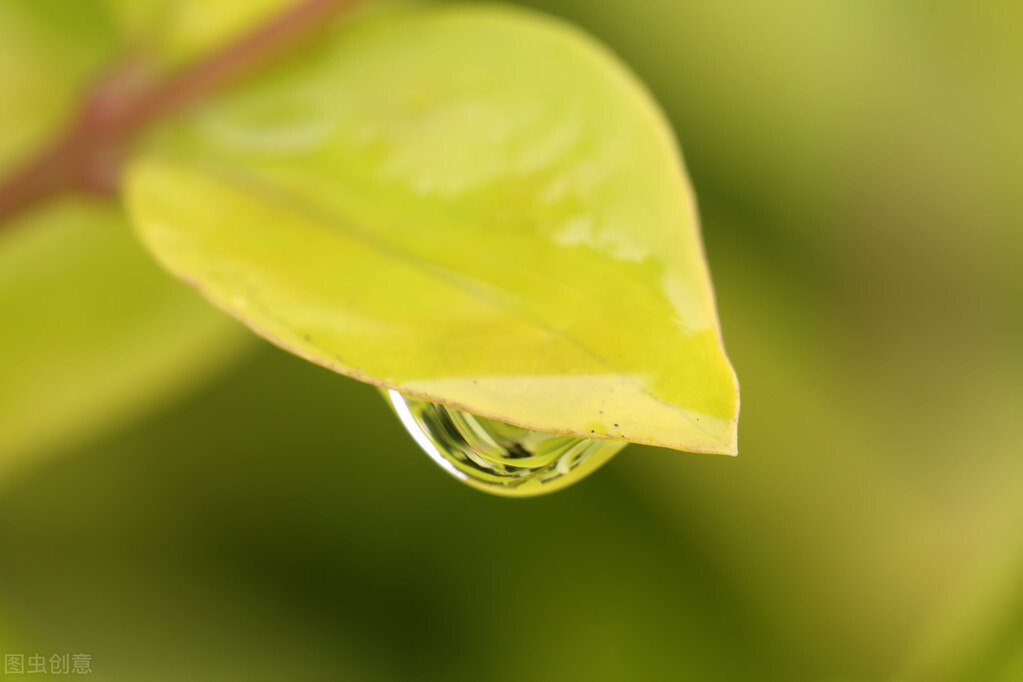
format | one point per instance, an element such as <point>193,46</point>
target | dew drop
<point>497,457</point>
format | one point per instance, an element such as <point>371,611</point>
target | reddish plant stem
<point>45,176</point>
<point>87,157</point>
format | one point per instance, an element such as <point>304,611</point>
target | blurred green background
<point>227,511</point>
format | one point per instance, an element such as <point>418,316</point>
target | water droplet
<point>497,457</point>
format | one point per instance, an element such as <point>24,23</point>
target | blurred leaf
<point>49,50</point>
<point>93,333</point>
<point>480,207</point>
<point>175,32</point>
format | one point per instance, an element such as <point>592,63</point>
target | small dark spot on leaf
<point>616,425</point>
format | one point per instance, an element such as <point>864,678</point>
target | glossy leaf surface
<point>477,206</point>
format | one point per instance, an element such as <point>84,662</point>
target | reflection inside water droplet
<point>497,457</point>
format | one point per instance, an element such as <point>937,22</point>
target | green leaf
<point>49,50</point>
<point>477,206</point>
<point>92,333</point>
<point>176,32</point>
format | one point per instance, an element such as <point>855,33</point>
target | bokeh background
<point>182,501</point>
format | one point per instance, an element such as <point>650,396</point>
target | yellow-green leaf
<point>91,333</point>
<point>475,205</point>
<point>176,32</point>
<point>48,52</point>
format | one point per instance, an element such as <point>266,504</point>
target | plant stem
<point>88,156</point>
